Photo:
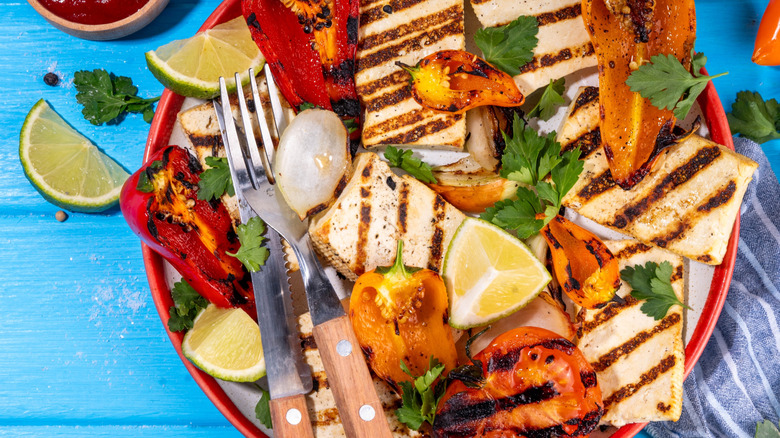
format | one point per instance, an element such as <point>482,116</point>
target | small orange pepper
<point>401,314</point>
<point>583,264</point>
<point>767,48</point>
<point>456,81</point>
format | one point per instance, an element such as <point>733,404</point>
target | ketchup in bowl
<point>93,11</point>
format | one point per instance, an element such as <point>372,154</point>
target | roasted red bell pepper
<point>161,205</point>
<point>310,47</point>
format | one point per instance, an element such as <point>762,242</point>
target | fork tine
<point>280,120</point>
<point>233,150</point>
<point>268,142</point>
<point>255,164</point>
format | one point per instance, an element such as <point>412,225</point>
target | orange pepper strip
<point>402,315</point>
<point>456,81</point>
<point>767,48</point>
<point>630,124</point>
<point>585,267</point>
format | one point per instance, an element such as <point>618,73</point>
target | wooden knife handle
<point>353,389</point>
<point>290,417</point>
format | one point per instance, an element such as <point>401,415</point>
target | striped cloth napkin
<point>736,383</point>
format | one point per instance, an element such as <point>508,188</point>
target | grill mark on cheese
<point>446,16</point>
<point>631,250</point>
<point>645,379</point>
<point>677,274</point>
<point>364,222</point>
<point>404,120</point>
<point>387,99</point>
<point>587,96</point>
<point>437,240</point>
<point>723,196</point>
<point>392,52</point>
<point>588,143</point>
<point>546,18</point>
<point>421,131</point>
<point>327,417</point>
<point>398,78</point>
<point>702,159</point>
<point>606,360</point>
<point>308,343</point>
<point>550,59</point>
<point>597,186</point>
<point>607,313</point>
<point>320,379</point>
<point>403,206</point>
<point>376,13</point>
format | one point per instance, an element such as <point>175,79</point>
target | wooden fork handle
<point>353,389</point>
<point>290,417</point>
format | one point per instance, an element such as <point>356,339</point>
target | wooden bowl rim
<point>151,6</point>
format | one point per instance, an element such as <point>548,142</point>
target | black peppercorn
<point>51,79</point>
<point>387,9</point>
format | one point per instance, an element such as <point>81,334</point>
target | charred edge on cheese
<point>421,131</point>
<point>403,206</point>
<point>588,143</point>
<point>393,52</point>
<point>397,79</point>
<point>610,311</point>
<point>645,379</point>
<point>606,360</point>
<point>507,361</point>
<point>404,120</point>
<point>376,13</point>
<point>703,158</point>
<point>439,18</point>
<point>551,59</point>
<point>588,96</point>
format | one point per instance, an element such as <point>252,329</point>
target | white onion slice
<point>312,161</point>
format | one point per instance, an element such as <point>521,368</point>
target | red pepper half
<point>161,205</point>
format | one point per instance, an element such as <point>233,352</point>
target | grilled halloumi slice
<point>639,361</point>
<point>376,209</point>
<point>687,203</point>
<point>405,31</point>
<point>564,44</point>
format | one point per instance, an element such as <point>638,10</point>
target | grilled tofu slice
<point>405,31</point>
<point>639,361</point>
<point>564,44</point>
<point>376,209</point>
<point>687,203</point>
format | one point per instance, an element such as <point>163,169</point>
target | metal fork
<point>353,390</point>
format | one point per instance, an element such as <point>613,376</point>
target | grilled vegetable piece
<point>631,125</point>
<point>161,205</point>
<point>767,47</point>
<point>536,383</point>
<point>471,188</point>
<point>399,314</point>
<point>456,81</point>
<point>583,265</point>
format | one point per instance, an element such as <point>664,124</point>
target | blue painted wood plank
<point>109,431</point>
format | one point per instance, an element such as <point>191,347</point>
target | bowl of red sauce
<point>99,19</point>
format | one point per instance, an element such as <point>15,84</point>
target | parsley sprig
<point>215,181</point>
<point>668,84</point>
<point>765,429</point>
<point>529,158</point>
<point>551,98</point>
<point>753,117</point>
<point>187,304</point>
<point>421,397</point>
<point>252,253</point>
<point>652,283</point>
<point>105,96</point>
<point>509,47</point>
<point>403,159</point>
<point>263,409</point>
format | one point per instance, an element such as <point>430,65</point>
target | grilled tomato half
<point>534,383</point>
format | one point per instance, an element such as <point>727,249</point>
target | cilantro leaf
<point>105,96</point>
<point>754,118</point>
<point>216,180</point>
<point>517,214</point>
<point>765,429</point>
<point>566,173</point>
<point>251,253</point>
<point>187,304</point>
<point>528,157</point>
<point>403,159</point>
<point>263,409</point>
<point>552,97</point>
<point>421,396</point>
<point>509,47</point>
<point>668,84</point>
<point>652,283</point>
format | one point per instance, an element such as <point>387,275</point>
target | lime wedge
<point>489,274</point>
<point>66,168</point>
<point>192,67</point>
<point>225,343</point>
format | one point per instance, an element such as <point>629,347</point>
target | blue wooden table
<point>82,350</point>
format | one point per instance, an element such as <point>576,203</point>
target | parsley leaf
<point>509,47</point>
<point>528,157</point>
<point>665,82</point>
<point>420,397</point>
<point>216,180</point>
<point>765,429</point>
<point>404,159</point>
<point>251,253</point>
<point>105,96</point>
<point>263,409</point>
<point>754,118</point>
<point>551,99</point>
<point>187,304</point>
<point>652,283</point>
<point>517,214</point>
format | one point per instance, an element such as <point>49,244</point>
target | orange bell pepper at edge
<point>401,314</point>
<point>767,48</point>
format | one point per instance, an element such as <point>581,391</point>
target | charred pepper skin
<point>191,234</point>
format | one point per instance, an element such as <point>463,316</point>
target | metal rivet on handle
<point>293,416</point>
<point>367,413</point>
<point>344,348</point>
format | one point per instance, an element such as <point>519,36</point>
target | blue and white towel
<point>736,382</point>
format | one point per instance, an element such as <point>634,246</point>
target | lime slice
<point>192,67</point>
<point>489,274</point>
<point>225,343</point>
<point>66,168</point>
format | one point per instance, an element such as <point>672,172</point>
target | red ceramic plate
<point>160,133</point>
